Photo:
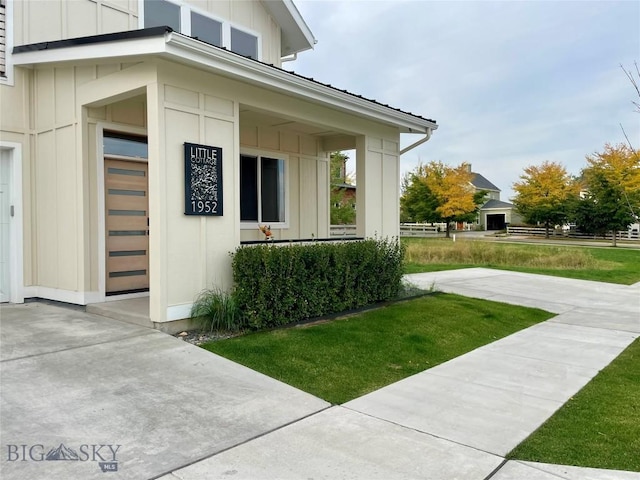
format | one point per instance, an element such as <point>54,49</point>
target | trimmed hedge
<point>276,285</point>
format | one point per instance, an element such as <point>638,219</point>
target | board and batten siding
<point>50,20</point>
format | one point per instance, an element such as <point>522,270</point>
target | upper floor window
<point>244,43</point>
<point>3,39</point>
<point>206,29</point>
<point>196,23</point>
<point>160,12</point>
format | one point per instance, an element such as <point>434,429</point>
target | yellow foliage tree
<point>452,188</point>
<point>612,179</point>
<point>545,194</point>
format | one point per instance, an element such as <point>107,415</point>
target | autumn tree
<point>417,203</point>
<point>439,193</point>
<point>612,188</point>
<point>545,194</point>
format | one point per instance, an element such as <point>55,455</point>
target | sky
<point>510,83</point>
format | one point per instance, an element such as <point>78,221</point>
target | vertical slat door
<point>5,208</point>
<point>127,242</point>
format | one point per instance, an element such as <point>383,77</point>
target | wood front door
<point>127,226</point>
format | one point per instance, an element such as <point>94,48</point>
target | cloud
<point>510,83</point>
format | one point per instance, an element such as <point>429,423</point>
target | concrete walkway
<point>155,403</point>
<point>179,412</point>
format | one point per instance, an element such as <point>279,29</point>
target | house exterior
<point>142,141</point>
<point>494,214</point>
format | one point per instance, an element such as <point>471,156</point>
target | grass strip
<point>604,264</point>
<point>351,356</point>
<point>599,427</point>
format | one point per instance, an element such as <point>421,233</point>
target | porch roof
<point>135,45</point>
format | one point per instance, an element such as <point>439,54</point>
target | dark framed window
<point>115,143</point>
<point>262,189</point>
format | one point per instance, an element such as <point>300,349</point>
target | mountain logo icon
<point>62,453</point>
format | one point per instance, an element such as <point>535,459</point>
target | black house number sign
<point>202,180</point>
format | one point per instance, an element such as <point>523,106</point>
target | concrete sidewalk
<point>123,396</point>
<point>83,381</point>
<point>458,420</point>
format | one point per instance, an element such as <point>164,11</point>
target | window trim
<point>185,23</point>
<point>259,153</point>
<point>7,78</point>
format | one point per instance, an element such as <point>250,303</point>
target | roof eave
<point>296,35</point>
<point>180,48</point>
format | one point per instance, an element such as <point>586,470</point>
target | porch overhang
<point>164,43</point>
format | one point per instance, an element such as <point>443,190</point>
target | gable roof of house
<point>496,204</point>
<point>165,42</point>
<point>295,34</point>
<point>481,183</point>
<point>346,186</point>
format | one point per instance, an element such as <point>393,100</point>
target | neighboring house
<point>349,192</point>
<point>494,214</point>
<point>142,141</point>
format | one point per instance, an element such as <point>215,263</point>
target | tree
<point>417,203</point>
<point>342,201</point>
<point>545,194</point>
<point>635,82</point>
<point>338,169</point>
<point>612,180</point>
<point>342,207</point>
<point>439,193</point>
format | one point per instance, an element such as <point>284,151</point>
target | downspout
<point>290,58</point>
<point>419,142</point>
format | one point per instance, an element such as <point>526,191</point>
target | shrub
<point>217,310</point>
<point>276,285</point>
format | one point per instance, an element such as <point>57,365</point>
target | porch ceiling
<point>331,139</point>
<point>255,117</point>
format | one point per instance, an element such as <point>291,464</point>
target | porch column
<point>158,296</point>
<point>378,182</point>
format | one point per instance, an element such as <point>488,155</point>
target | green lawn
<point>599,427</point>
<point>604,264</point>
<point>349,357</point>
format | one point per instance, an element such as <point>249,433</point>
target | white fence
<point>632,234</point>
<point>342,231</point>
<point>406,230</point>
<point>421,229</point>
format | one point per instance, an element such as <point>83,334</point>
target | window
<point>196,23</point>
<point>3,38</point>
<point>159,13</point>
<point>244,43</point>
<point>206,29</point>
<point>124,145</point>
<point>262,191</point>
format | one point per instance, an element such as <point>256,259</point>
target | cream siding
<point>58,114</point>
<point>52,20</point>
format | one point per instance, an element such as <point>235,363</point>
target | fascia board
<point>94,51</point>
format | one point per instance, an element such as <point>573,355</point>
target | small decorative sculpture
<point>266,229</point>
